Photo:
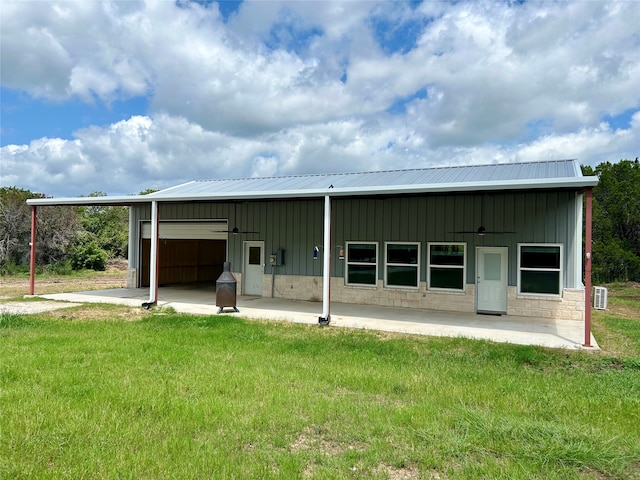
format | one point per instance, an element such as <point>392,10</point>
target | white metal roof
<point>499,176</point>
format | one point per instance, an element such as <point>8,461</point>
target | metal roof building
<point>503,238</point>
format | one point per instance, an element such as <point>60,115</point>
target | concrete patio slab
<point>553,333</point>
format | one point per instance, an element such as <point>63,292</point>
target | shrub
<point>88,256</point>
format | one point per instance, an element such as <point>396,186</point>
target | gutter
<point>170,196</point>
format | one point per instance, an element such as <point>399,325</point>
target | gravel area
<point>25,308</point>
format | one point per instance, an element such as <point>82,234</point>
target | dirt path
<point>18,285</point>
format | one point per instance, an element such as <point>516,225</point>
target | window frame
<point>463,267</point>
<point>412,265</point>
<point>560,269</point>
<point>347,262</point>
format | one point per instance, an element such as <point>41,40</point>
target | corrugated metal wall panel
<point>297,225</point>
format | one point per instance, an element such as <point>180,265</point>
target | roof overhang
<point>123,201</point>
<point>573,183</point>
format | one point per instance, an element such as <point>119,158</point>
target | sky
<point>123,96</point>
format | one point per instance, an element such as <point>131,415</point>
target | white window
<point>402,264</point>
<point>447,266</point>
<point>539,268</point>
<point>361,263</point>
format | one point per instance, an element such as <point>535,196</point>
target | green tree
<point>56,229</point>
<point>616,221</point>
<point>106,227</point>
<point>15,226</point>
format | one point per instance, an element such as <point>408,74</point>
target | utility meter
<point>277,258</point>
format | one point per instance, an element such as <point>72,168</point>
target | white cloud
<point>298,87</point>
<point>145,152</point>
<point>591,145</point>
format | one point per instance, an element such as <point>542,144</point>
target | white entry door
<point>491,286</point>
<point>253,268</point>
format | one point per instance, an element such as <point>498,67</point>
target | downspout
<point>326,270</point>
<point>587,270</point>
<point>153,260</point>
<point>32,260</point>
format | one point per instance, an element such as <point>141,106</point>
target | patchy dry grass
<point>18,285</point>
<point>101,313</point>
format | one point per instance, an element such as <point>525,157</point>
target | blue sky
<point>157,93</point>
<point>25,118</point>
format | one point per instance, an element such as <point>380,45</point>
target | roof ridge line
<point>414,169</point>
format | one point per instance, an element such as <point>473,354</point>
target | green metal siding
<point>297,226</point>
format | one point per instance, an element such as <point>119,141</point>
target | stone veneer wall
<point>310,289</point>
<point>132,278</point>
<point>569,307</point>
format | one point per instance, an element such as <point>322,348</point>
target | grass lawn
<point>111,392</point>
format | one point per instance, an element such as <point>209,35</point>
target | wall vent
<point>600,298</point>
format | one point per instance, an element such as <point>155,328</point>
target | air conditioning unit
<point>600,298</point>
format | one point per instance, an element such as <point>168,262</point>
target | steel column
<point>32,260</point>
<point>326,270</point>
<point>587,270</point>
<point>153,261</point>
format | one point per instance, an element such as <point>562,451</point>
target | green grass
<point>178,396</point>
<point>617,329</point>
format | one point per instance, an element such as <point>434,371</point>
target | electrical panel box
<point>277,258</point>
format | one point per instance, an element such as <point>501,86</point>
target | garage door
<point>188,252</point>
<point>209,230</point>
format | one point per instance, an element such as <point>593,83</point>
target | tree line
<point>616,221</point>
<point>73,238</point>
<point>67,238</point>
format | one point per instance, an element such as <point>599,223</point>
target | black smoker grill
<point>226,289</point>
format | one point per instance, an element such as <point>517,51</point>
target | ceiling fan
<point>481,230</point>
<point>235,230</point>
